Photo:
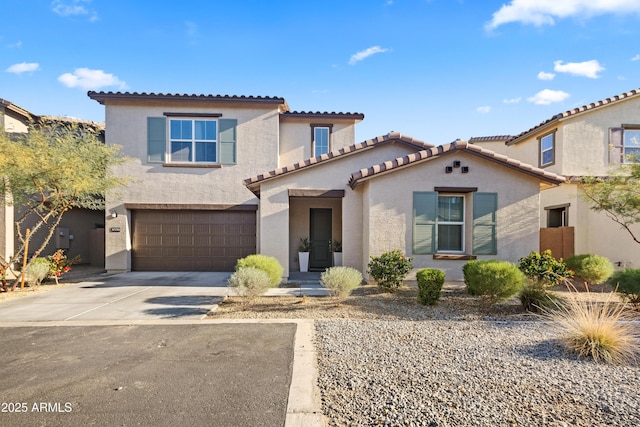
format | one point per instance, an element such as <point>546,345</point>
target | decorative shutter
<point>616,146</point>
<point>425,206</point>
<point>156,139</point>
<point>228,141</point>
<point>485,207</point>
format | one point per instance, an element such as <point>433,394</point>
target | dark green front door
<point>320,234</point>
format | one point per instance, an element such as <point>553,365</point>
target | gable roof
<point>253,183</point>
<point>456,146</point>
<point>325,115</point>
<point>17,110</point>
<point>570,113</point>
<point>494,138</point>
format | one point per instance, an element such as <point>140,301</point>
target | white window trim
<point>462,223</point>
<point>552,149</point>
<point>315,127</point>
<point>625,146</point>
<point>193,141</point>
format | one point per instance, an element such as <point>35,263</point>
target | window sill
<point>454,257</point>
<point>192,165</point>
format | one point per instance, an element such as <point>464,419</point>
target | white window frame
<point>462,223</point>
<point>315,128</point>
<point>552,149</point>
<point>626,146</point>
<point>193,140</point>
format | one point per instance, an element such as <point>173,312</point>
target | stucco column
<point>274,225</point>
<point>117,239</point>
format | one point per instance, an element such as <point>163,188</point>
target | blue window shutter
<point>156,139</point>
<point>228,141</point>
<point>616,146</point>
<point>485,209</point>
<point>425,206</point>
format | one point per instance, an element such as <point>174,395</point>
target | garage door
<point>168,240</point>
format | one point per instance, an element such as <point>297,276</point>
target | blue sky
<point>436,70</point>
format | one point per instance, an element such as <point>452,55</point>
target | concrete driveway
<point>124,296</point>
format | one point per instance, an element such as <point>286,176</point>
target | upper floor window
<point>624,144</point>
<point>321,143</point>
<point>193,140</point>
<point>547,149</point>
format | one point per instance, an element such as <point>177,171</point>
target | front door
<point>320,234</point>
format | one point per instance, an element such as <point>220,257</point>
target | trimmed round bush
<point>493,280</point>
<point>430,281</point>
<point>592,269</point>
<point>250,282</point>
<point>544,268</point>
<point>341,281</point>
<point>268,264</point>
<point>390,269</point>
<point>627,282</point>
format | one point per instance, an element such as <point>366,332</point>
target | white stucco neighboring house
<point>218,177</point>
<point>588,141</point>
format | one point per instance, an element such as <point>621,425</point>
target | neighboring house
<point>81,231</point>
<point>216,178</point>
<point>583,142</point>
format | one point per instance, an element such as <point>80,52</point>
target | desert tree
<point>50,170</point>
<point>618,196</point>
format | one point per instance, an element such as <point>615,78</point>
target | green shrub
<point>268,264</point>
<point>430,281</point>
<point>592,269</point>
<point>492,280</point>
<point>250,282</point>
<point>390,269</point>
<point>535,298</point>
<point>544,268</point>
<point>340,281</point>
<point>37,271</point>
<point>627,282</point>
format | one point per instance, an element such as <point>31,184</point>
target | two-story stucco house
<point>583,142</point>
<point>216,178</point>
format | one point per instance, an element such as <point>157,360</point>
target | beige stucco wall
<point>126,124</point>
<point>14,125</point>
<point>295,138</point>
<point>390,200</point>
<point>275,215</point>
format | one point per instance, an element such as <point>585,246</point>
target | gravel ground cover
<point>384,359</point>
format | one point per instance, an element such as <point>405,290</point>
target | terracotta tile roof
<point>101,97</point>
<point>319,115</point>
<point>459,145</point>
<point>28,117</point>
<point>573,112</point>
<point>495,138</point>
<point>252,182</point>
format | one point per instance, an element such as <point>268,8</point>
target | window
<point>547,149</point>
<point>440,220</point>
<point>624,144</point>
<point>557,216</point>
<point>450,224</point>
<point>321,139</point>
<point>193,140</point>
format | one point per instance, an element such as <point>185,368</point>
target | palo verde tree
<point>618,196</point>
<point>51,170</point>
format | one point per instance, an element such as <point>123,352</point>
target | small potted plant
<point>336,248</point>
<point>303,253</point>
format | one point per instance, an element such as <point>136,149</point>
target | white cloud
<point>484,109</point>
<point>512,100</point>
<point>24,67</point>
<point>542,75</point>
<point>16,45</point>
<point>86,78</point>
<point>636,58</point>
<point>545,12</point>
<point>72,8</point>
<point>585,69</point>
<point>548,96</point>
<point>366,53</point>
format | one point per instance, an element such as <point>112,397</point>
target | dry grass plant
<point>602,330</point>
